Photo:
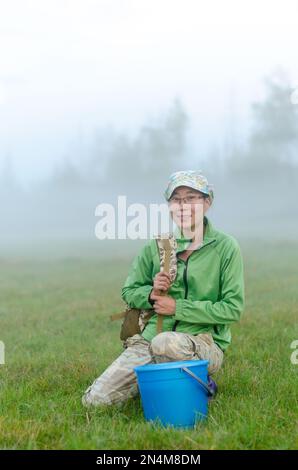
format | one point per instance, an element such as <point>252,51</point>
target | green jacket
<point>209,286</point>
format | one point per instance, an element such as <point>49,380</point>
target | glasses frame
<point>195,198</point>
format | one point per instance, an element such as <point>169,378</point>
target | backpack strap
<point>117,316</point>
<point>166,245</point>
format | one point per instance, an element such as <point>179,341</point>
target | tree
<point>272,145</point>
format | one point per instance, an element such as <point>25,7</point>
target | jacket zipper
<point>185,277</point>
<point>186,288</point>
<point>185,281</point>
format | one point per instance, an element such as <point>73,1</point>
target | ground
<point>54,318</point>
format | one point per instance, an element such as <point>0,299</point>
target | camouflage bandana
<point>190,178</point>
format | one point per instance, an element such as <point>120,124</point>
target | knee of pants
<point>97,397</point>
<point>172,345</point>
<point>92,399</point>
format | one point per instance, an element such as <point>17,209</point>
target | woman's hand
<point>163,304</point>
<point>161,282</point>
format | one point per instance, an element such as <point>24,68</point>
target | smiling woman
<point>198,305</point>
<point>188,216</point>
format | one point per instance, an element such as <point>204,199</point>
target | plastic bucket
<point>174,393</point>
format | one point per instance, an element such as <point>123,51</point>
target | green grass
<point>54,320</point>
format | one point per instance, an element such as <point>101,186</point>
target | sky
<point>70,67</point>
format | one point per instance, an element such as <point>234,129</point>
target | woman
<point>198,307</point>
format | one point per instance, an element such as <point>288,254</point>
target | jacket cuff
<point>141,298</point>
<point>150,300</point>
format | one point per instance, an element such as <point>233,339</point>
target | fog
<point>57,167</point>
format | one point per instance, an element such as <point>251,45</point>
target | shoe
<point>213,387</point>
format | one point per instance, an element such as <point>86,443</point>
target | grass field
<point>54,321</point>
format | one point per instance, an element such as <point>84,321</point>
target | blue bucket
<point>174,393</point>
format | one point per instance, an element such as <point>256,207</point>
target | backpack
<point>134,319</point>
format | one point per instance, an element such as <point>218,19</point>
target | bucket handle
<point>205,386</point>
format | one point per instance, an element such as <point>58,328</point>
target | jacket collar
<point>183,242</point>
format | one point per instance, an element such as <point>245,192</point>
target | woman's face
<point>187,207</point>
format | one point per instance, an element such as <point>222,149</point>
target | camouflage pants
<point>118,382</point>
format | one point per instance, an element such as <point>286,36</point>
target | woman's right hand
<point>161,282</point>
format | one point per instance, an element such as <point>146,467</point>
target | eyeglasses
<point>191,199</point>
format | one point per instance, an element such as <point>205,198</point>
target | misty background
<point>107,98</point>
